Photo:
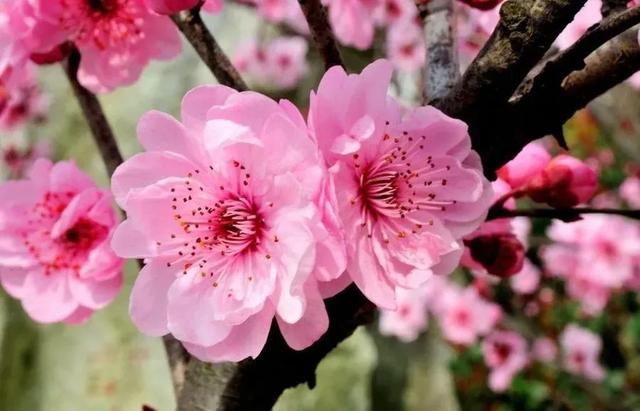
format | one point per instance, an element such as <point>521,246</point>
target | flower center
<point>236,226</point>
<point>105,23</point>
<point>69,250</point>
<point>400,179</point>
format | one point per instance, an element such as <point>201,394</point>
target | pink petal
<point>148,301</point>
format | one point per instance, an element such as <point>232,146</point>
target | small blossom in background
<point>409,319</point>
<point>233,213</point>
<point>527,280</point>
<point>55,228</point>
<point>505,353</point>
<point>587,16</point>
<point>116,39</point>
<point>17,155</point>
<point>580,351</point>
<point>544,350</point>
<point>408,184</point>
<point>21,100</point>
<point>630,191</point>
<point>280,62</point>
<point>174,6</point>
<point>405,46</point>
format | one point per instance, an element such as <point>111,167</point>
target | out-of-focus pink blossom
<point>396,12</point>
<point>233,212</point>
<point>464,315</point>
<point>282,11</point>
<point>588,16</point>
<point>580,350</point>
<point>564,182</point>
<point>527,164</point>
<point>405,46</point>
<point>589,255</point>
<point>410,318</point>
<point>353,21</point>
<point>544,349</point>
<point>17,157</point>
<point>55,257</point>
<point>116,38</point>
<point>474,28</point>
<point>505,353</point>
<point>280,62</point>
<point>630,191</point>
<point>408,184</point>
<point>170,6</point>
<point>527,280</point>
<point>20,98</point>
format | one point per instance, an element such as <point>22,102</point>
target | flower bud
<point>501,254</point>
<point>564,182</point>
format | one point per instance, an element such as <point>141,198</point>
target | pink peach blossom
<point>353,21</point>
<point>505,353</point>
<point>116,38</point>
<point>531,160</point>
<point>278,62</point>
<point>405,46</point>
<point>630,191</point>
<point>581,349</point>
<point>464,316</point>
<point>396,12</point>
<point>527,280</point>
<point>174,6</point>
<point>21,100</point>
<point>55,257</point>
<point>474,28</point>
<point>408,184</point>
<point>409,319</point>
<point>282,11</point>
<point>232,210</point>
<point>587,16</point>
<point>544,349</point>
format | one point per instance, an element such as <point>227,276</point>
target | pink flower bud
<point>527,164</point>
<point>564,182</point>
<point>501,254</point>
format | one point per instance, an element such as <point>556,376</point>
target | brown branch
<point>193,28</point>
<point>442,70</point>
<point>92,110</point>
<point>321,32</point>
<point>112,158</point>
<point>557,68</point>
<point>613,6</point>
<point>564,214</point>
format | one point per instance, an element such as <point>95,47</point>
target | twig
<point>613,6</point>
<point>573,58</point>
<point>193,28</point>
<point>112,158</point>
<point>92,110</point>
<point>442,70</point>
<point>564,214</point>
<point>321,32</point>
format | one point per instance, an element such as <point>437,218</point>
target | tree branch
<point>442,70</point>
<point>564,214</point>
<point>191,25</point>
<point>321,32</point>
<point>92,110</point>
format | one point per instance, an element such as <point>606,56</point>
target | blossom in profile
<point>580,351</point>
<point>505,353</point>
<point>409,186</point>
<point>410,318</point>
<point>116,38</point>
<point>531,160</point>
<point>233,212</point>
<point>55,228</point>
